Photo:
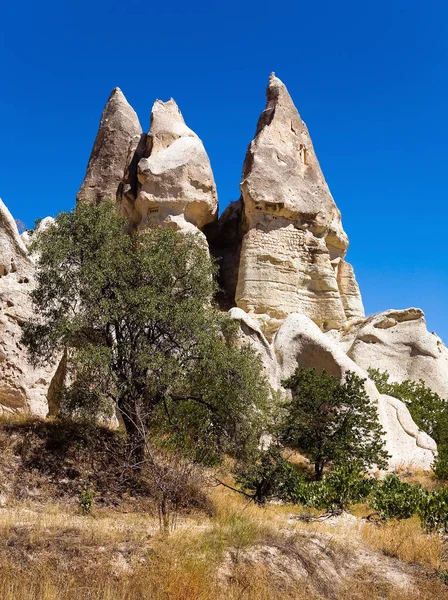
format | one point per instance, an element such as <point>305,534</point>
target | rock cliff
<point>22,387</point>
<point>292,247</point>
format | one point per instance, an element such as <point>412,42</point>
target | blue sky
<point>369,78</point>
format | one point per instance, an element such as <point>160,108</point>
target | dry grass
<point>426,479</point>
<point>235,550</point>
<point>406,541</point>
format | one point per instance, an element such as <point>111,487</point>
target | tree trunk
<point>319,470</point>
<point>135,435</point>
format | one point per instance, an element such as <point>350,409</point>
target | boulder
<point>118,133</point>
<point>397,341</point>
<point>293,242</point>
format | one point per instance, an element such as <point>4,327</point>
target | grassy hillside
<point>221,546</point>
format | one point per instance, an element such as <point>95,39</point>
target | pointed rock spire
<point>13,252</point>
<point>176,181</point>
<point>294,239</point>
<point>119,130</point>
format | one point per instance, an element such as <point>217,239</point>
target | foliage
<point>394,499</point>
<point>440,465</point>
<point>134,315</point>
<point>332,422</point>
<point>427,408</point>
<point>269,476</point>
<point>272,476</point>
<point>86,500</point>
<point>433,510</point>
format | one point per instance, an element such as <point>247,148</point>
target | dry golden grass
<point>414,476</point>
<point>52,552</point>
<point>407,541</point>
<point>364,584</point>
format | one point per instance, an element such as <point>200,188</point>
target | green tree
<point>427,408</point>
<point>134,315</point>
<point>332,422</point>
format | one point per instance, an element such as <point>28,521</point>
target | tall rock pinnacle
<point>118,133</point>
<point>294,243</point>
<point>176,186</point>
<point>13,253</point>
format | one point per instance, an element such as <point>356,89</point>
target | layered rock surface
<point>118,136</point>
<point>281,249</point>
<point>398,341</point>
<point>293,244</point>
<point>300,342</point>
<point>175,181</point>
<point>22,387</point>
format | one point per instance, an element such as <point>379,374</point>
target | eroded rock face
<point>176,187</point>
<point>398,341</point>
<point>294,242</point>
<point>118,135</point>
<point>22,387</point>
<point>13,252</point>
<point>300,342</point>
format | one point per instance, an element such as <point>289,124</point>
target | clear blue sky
<point>369,78</point>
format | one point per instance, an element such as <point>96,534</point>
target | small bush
<point>440,466</point>
<point>433,510</point>
<point>270,476</point>
<point>394,499</point>
<point>86,500</point>
<point>274,477</point>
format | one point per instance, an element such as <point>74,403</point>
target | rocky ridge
<point>281,249</point>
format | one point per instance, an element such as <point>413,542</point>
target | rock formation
<point>160,178</point>
<point>293,243</point>
<point>13,253</point>
<point>176,187</point>
<point>300,342</point>
<point>281,249</point>
<point>118,133</point>
<point>22,387</point>
<point>398,341</point>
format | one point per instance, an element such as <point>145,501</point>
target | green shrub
<point>394,499</point>
<point>269,476</point>
<point>440,465</point>
<point>332,422</point>
<point>433,510</point>
<point>272,476</point>
<point>344,486</point>
<point>86,500</point>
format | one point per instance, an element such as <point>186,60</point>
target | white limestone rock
<point>294,241</point>
<point>13,252</point>
<point>398,341</point>
<point>300,342</point>
<point>176,185</point>
<point>22,387</point>
<point>118,130</point>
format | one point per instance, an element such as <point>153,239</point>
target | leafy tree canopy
<point>332,422</point>
<point>134,316</point>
